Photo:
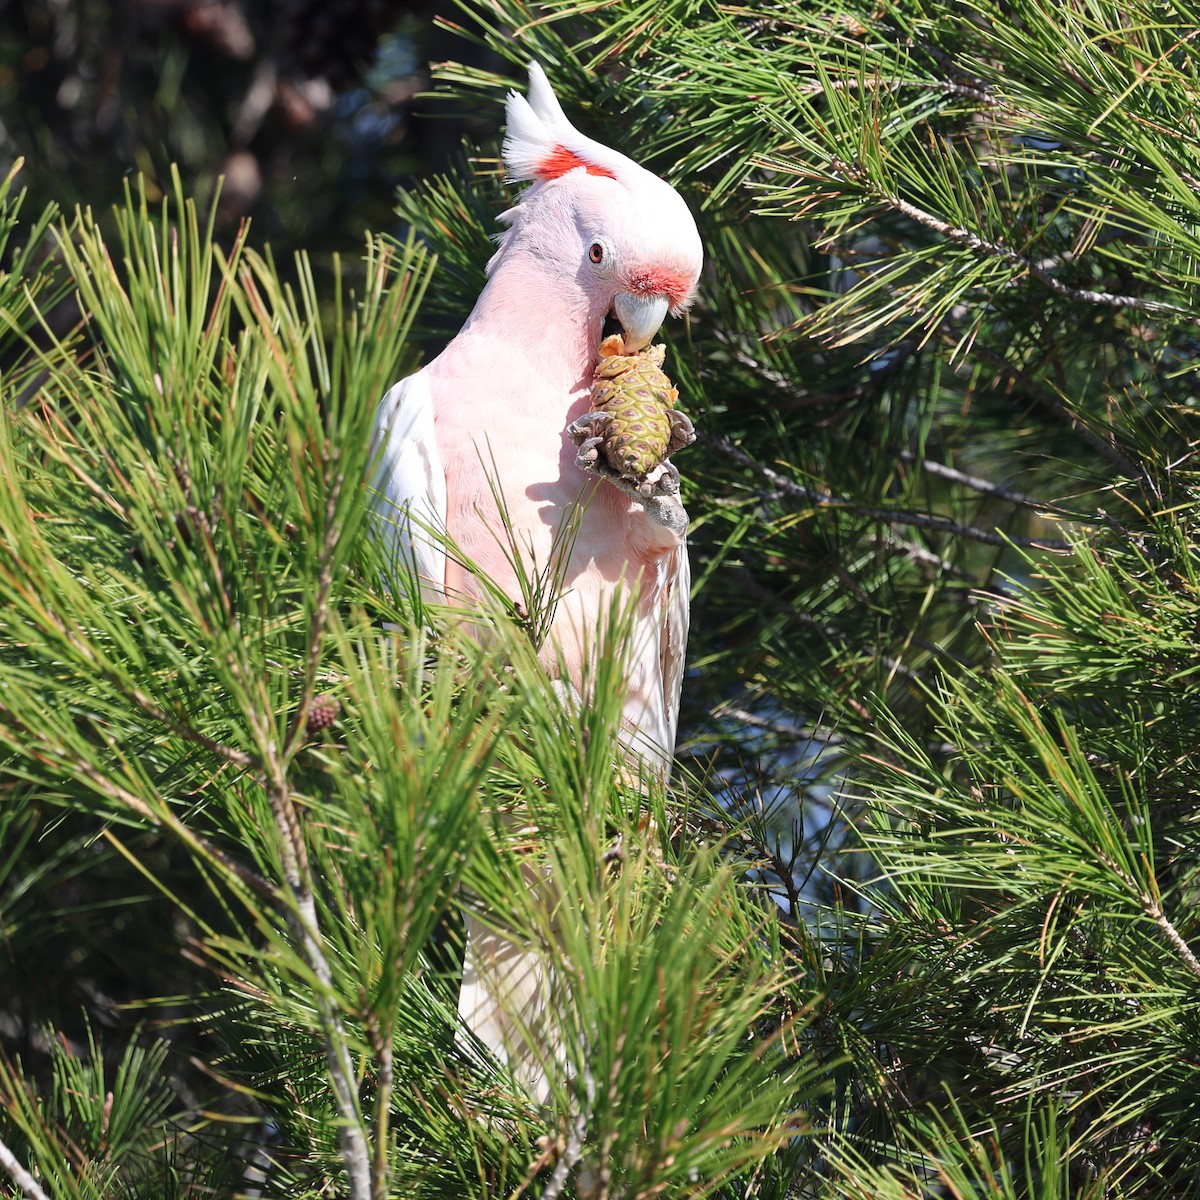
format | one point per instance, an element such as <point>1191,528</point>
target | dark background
<point>313,111</point>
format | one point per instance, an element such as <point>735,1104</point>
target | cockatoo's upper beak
<point>641,316</point>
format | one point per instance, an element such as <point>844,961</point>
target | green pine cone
<point>635,390</point>
<point>640,430</point>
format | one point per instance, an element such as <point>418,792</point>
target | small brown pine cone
<point>322,713</point>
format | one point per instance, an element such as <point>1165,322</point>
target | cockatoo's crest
<point>541,144</point>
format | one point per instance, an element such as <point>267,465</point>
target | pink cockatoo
<point>596,238</point>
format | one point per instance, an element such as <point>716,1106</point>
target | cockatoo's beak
<point>641,317</point>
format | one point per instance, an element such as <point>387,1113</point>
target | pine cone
<point>635,391</point>
<point>322,713</point>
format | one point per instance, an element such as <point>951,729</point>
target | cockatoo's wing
<point>654,672</point>
<point>410,484</point>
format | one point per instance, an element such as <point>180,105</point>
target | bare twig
<point>981,94</point>
<point>381,1046</point>
<point>305,926</point>
<point>571,1154</point>
<point>255,105</point>
<point>801,397</point>
<point>782,384</point>
<point>19,1175</point>
<point>386,1083</point>
<point>1153,910</point>
<point>572,1151</point>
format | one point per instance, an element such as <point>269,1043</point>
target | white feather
<point>527,138</point>
<point>655,670</point>
<point>410,484</point>
<point>544,102</point>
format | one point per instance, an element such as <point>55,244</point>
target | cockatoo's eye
<point>596,252</point>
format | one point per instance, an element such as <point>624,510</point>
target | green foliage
<point>918,917</point>
<point>944,497</point>
<point>206,692</point>
<point>96,1134</point>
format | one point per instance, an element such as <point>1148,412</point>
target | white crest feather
<point>528,138</point>
<point>544,102</point>
<point>537,127</point>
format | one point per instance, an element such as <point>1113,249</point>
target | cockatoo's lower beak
<point>640,316</point>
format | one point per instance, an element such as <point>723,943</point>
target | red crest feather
<point>560,160</point>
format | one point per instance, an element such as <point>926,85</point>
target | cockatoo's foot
<point>589,433</point>
<point>657,491</point>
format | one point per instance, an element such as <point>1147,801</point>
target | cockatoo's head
<point>621,233</point>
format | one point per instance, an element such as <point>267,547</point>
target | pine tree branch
<point>776,379</point>
<point>298,877</point>
<point>306,927</point>
<point>387,1077</point>
<point>19,1175</point>
<point>981,245</point>
<point>945,87</point>
<point>576,1139</point>
<point>785,487</point>
<point>78,640</point>
<point>571,1154</point>
<point>1154,911</point>
<point>986,487</point>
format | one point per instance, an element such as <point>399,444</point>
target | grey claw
<point>683,432</point>
<point>591,424</point>
<point>662,480</point>
<point>589,454</point>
